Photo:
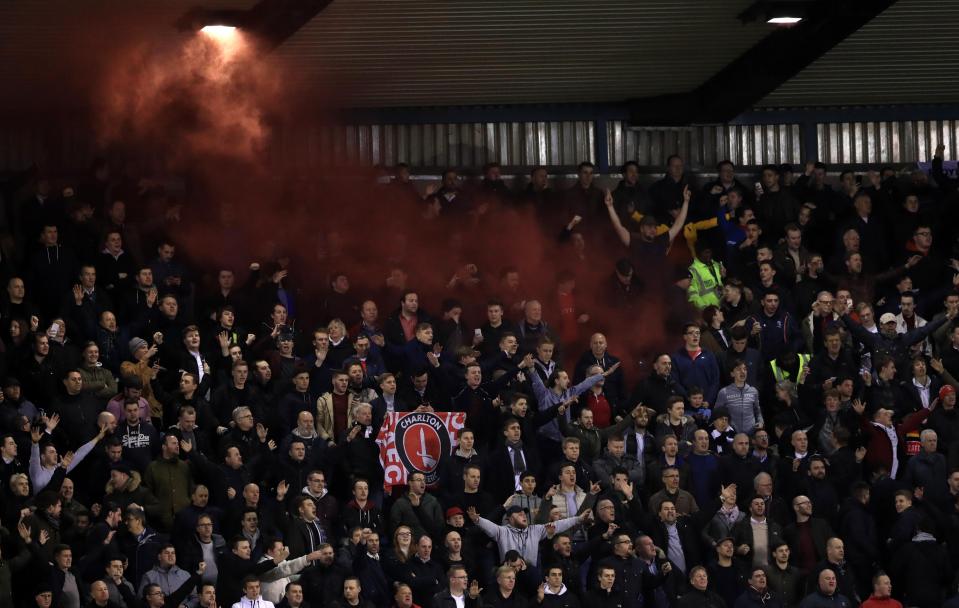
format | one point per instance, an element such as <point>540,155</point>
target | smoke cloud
<point>207,106</point>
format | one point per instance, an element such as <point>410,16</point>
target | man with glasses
<point>418,509</point>
<point>807,537</point>
<point>684,502</point>
<point>202,546</point>
<point>628,569</point>
<point>456,595</point>
<point>695,366</point>
<point>327,507</point>
<point>154,597</point>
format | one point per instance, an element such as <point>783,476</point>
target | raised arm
<point>621,232</point>
<point>681,218</point>
<point>539,389</point>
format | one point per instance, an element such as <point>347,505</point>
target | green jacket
<point>705,285</point>
<point>171,483</point>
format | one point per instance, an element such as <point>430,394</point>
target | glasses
<point>404,534</point>
<point>924,233</point>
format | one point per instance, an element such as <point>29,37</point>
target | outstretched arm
<point>681,218</point>
<point>614,218</point>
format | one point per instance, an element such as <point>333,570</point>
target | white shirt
<point>460,600</point>
<point>923,390</point>
<point>199,364</point>
<point>257,603</point>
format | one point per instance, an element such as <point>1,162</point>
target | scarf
<point>519,463</point>
<point>467,455</point>
<point>731,515</point>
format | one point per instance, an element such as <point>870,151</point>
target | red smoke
<point>202,99</point>
<point>206,105</point>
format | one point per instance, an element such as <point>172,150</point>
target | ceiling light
<point>776,12</point>
<point>784,20</point>
<point>218,31</point>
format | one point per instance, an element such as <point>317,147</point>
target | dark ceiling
<point>395,53</point>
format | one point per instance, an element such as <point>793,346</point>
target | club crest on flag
<point>417,441</point>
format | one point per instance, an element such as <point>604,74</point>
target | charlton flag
<point>417,441</point>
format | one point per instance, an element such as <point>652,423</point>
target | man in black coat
<point>836,561</point>
<point>604,595</point>
<point>628,568</point>
<point>457,587</point>
<point>509,456</point>
<point>684,554</point>
<point>237,564</point>
<point>422,573</point>
<point>659,386</point>
<point>324,579</point>
<point>598,355</point>
<point>369,569</point>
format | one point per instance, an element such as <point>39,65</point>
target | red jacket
<point>875,602</point>
<point>878,449</point>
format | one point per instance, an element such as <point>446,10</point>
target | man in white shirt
<point>251,595</point>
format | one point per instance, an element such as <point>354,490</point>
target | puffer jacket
<point>743,405</point>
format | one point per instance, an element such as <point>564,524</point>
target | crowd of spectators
<point>179,431</point>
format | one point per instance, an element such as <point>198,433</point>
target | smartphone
<point>478,332</point>
<point>55,329</point>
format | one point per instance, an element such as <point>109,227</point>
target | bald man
<point>598,355</point>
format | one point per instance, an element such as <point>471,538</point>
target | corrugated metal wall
<point>704,146</point>
<point>438,145</point>
<point>885,142</point>
<point>559,144</point>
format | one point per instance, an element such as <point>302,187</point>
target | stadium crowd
<point>202,433</point>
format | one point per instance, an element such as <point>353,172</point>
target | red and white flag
<point>417,441</point>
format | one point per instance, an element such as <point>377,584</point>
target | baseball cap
<point>887,317</point>
<point>453,511</point>
<point>514,509</point>
<point>946,389</point>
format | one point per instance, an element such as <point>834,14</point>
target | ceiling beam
<point>762,69</point>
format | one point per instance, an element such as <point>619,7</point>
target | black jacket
<point>444,599</point>
<point>700,599</point>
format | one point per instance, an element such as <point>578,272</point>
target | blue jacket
<point>703,371</point>
<point>778,334</point>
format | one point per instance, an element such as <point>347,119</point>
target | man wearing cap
<point>889,341</point>
<point>519,535</point>
<point>140,367</point>
<point>885,446</point>
<point>130,388</point>
<point>125,489</point>
<point>945,418</point>
<point>726,575</point>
